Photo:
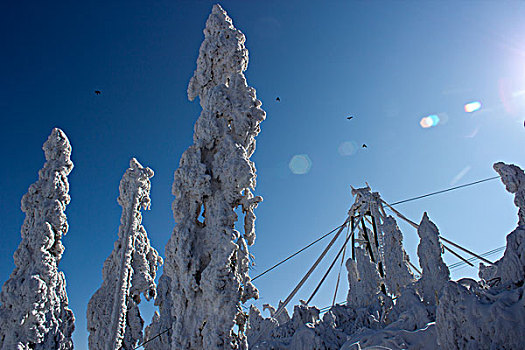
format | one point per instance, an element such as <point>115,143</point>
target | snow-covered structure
<point>386,306</point>
<point>430,312</point>
<point>34,311</point>
<point>113,316</point>
<point>205,276</point>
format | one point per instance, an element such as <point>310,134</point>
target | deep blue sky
<point>388,63</point>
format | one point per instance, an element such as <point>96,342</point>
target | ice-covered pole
<point>113,317</point>
<point>34,311</point>
<point>205,277</point>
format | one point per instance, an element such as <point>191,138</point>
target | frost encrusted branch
<point>34,311</point>
<point>206,272</point>
<point>113,317</point>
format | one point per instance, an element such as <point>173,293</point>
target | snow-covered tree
<point>435,273</point>
<point>205,277</point>
<point>397,272</point>
<point>491,314</point>
<point>363,279</point>
<point>113,316</point>
<point>34,311</point>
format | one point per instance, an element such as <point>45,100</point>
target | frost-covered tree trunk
<point>34,311</point>
<point>113,317</point>
<point>206,272</point>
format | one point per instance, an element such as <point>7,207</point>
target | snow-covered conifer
<point>113,316</point>
<point>205,277</point>
<point>491,315</point>
<point>363,279</point>
<point>34,311</point>
<point>397,272</point>
<point>435,273</point>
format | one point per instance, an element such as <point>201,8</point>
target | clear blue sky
<point>388,63</point>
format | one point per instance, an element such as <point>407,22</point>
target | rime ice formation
<point>514,180</point>
<point>363,279</point>
<point>113,317</point>
<point>385,305</point>
<point>435,273</point>
<point>397,271</point>
<point>431,312</point>
<point>34,311</point>
<point>205,276</point>
<point>490,314</point>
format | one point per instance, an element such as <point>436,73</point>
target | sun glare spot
<point>300,164</point>
<point>472,106</point>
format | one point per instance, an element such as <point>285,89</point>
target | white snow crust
<point>205,276</point>
<point>34,311</point>
<point>113,316</point>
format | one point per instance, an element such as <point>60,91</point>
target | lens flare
<point>472,106</point>
<point>300,164</point>
<point>347,148</point>
<point>429,121</point>
<point>425,122</point>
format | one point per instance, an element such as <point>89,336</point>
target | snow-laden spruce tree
<point>205,276</point>
<point>113,317</point>
<point>34,311</point>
